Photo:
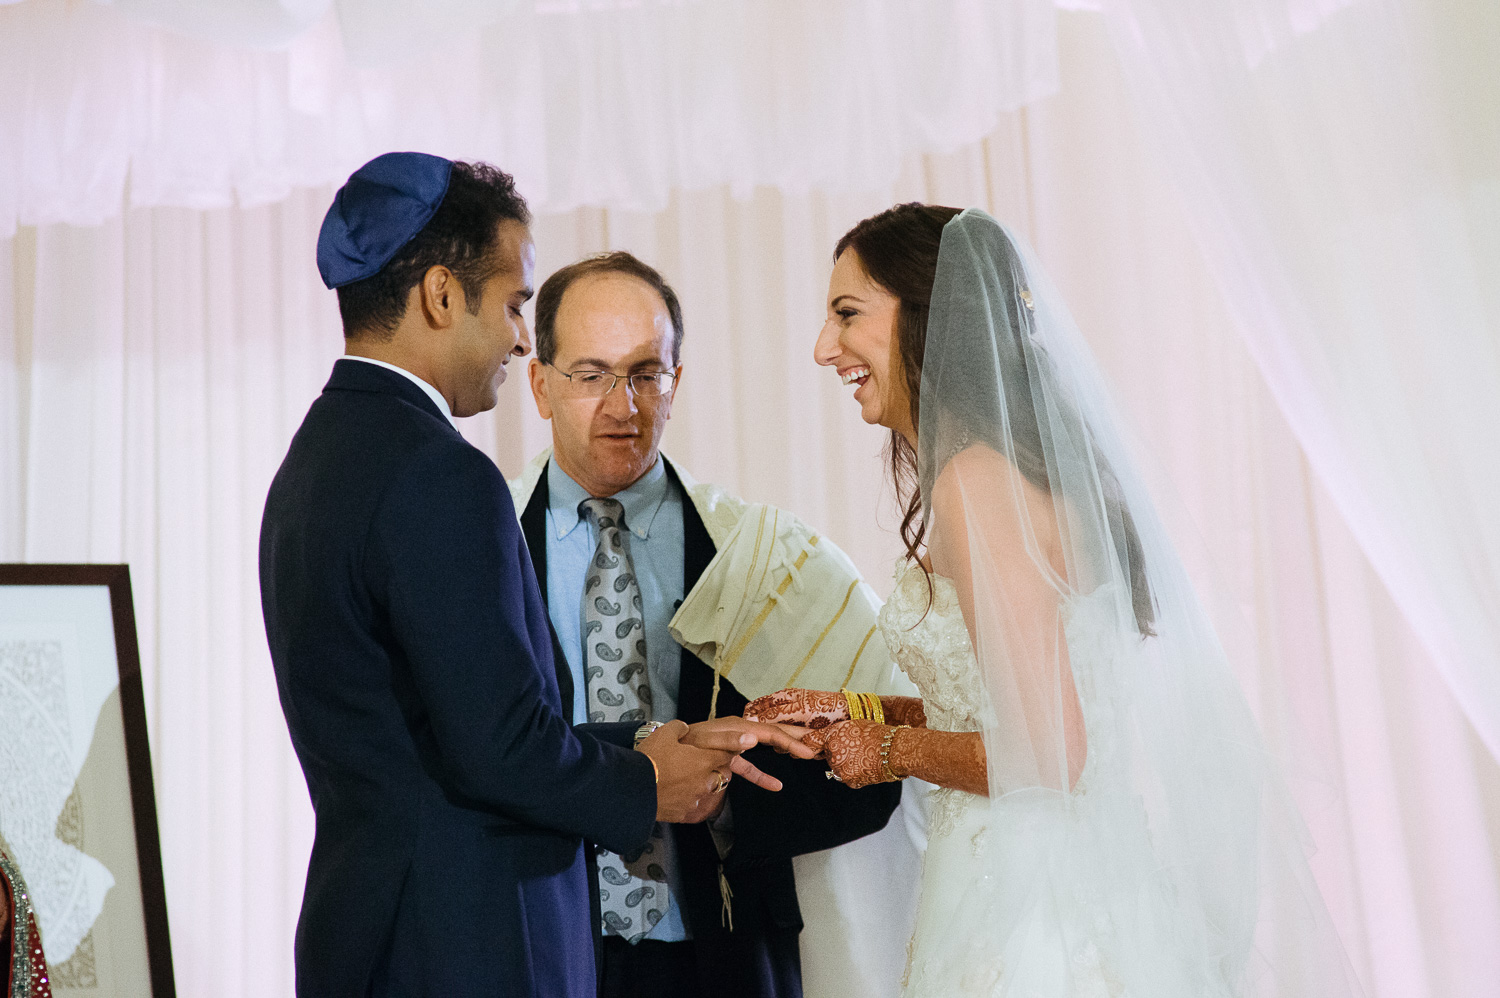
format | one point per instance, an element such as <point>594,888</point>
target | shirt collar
<point>641,501</point>
<point>432,393</point>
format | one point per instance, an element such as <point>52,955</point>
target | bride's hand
<point>814,709</point>
<point>852,750</point>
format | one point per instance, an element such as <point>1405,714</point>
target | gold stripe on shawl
<point>816,644</point>
<point>730,659</point>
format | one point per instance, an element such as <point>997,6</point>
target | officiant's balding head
<point>608,344</point>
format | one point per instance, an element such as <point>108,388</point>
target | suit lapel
<point>695,687</point>
<point>534,529</point>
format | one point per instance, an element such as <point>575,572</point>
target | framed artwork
<point>77,808</point>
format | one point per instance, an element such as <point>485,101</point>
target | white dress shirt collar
<point>432,393</point>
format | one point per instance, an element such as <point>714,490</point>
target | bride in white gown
<point>1107,821</point>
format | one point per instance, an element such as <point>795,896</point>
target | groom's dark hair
<point>462,235</point>
<point>549,298</point>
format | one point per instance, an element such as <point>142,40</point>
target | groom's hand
<point>693,763</point>
<point>685,773</point>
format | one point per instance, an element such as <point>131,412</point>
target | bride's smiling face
<point>858,341</point>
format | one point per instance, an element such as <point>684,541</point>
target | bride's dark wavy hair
<point>898,250</point>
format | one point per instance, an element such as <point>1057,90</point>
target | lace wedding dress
<point>1172,865</point>
<point>1039,893</point>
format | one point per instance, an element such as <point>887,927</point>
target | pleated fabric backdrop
<point>152,370</point>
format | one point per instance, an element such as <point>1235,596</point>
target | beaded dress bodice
<point>931,644</point>
<point>969,865</point>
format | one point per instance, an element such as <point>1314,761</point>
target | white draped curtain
<point>584,102</point>
<point>1339,161</point>
<point>1289,298</point>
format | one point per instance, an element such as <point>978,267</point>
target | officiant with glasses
<point>620,536</point>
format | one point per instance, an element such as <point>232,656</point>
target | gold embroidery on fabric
<point>765,612</point>
<point>760,532</point>
<point>855,664</point>
<point>21,913</point>
<point>818,643</point>
<point>723,663</point>
<point>770,548</point>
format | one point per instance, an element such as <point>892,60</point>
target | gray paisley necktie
<point>632,888</point>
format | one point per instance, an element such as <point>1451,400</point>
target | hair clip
<point>1026,300</point>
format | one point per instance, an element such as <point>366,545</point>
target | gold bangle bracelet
<point>873,708</point>
<point>856,706</point>
<point>885,752</point>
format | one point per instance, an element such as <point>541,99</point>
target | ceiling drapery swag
<point>174,103</point>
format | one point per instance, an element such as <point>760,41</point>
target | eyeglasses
<point>597,384</point>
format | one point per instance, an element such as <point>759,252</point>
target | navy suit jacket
<point>759,957</point>
<point>414,662</point>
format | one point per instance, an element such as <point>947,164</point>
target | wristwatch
<point>644,730</point>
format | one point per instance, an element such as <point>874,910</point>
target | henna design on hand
<point>852,750</point>
<point>815,709</point>
<point>904,710</point>
<point>948,758</point>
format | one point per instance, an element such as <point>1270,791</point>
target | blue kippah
<point>385,203</point>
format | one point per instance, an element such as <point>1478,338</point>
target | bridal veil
<point>1142,809</point>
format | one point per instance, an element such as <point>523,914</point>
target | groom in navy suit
<point>412,649</point>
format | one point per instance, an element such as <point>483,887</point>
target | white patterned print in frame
<point>62,770</point>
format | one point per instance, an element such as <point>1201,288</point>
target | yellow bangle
<point>856,706</point>
<point>873,709</point>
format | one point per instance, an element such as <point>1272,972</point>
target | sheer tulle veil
<point>1114,723</point>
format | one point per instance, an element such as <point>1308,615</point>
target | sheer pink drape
<point>1340,166</point>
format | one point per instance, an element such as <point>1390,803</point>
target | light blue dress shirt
<point>653,520</point>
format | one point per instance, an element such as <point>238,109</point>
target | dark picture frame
<point>135,748</point>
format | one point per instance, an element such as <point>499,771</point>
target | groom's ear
<point>440,297</point>
<point>537,372</point>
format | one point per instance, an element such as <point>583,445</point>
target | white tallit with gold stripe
<point>780,605</point>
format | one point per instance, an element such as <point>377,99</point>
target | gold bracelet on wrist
<point>856,706</point>
<point>885,752</point>
<point>873,709</point>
